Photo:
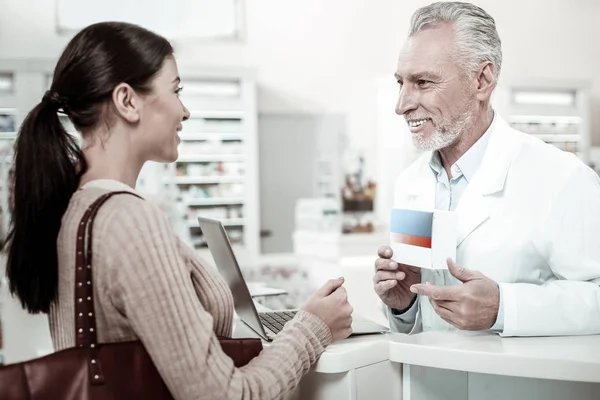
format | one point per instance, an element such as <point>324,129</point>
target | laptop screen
<point>220,248</point>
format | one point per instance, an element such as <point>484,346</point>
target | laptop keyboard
<point>275,320</point>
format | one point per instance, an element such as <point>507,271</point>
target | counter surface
<point>574,359</point>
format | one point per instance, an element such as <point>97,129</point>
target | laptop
<point>266,324</point>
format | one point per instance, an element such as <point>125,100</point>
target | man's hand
<point>392,281</point>
<point>472,306</point>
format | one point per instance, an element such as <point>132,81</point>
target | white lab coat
<point>530,220</point>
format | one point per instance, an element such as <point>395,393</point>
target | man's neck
<point>452,153</point>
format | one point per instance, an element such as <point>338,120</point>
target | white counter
<point>357,368</point>
<point>459,365</point>
<point>564,358</point>
<point>354,352</point>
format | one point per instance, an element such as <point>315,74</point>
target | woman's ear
<point>126,102</point>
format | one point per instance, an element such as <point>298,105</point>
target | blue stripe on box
<point>411,222</point>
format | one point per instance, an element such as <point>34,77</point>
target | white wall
<point>325,56</point>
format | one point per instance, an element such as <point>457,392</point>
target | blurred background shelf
<point>203,158</point>
<point>216,173</point>
<point>553,110</point>
<point>191,180</point>
<point>225,222</point>
<point>215,202</point>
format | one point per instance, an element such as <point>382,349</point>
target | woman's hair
<point>48,160</point>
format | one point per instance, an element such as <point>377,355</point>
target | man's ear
<point>126,102</point>
<point>486,81</point>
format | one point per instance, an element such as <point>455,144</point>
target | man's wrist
<point>395,311</point>
<point>498,325</point>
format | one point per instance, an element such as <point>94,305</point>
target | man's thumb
<point>330,286</point>
<point>460,273</point>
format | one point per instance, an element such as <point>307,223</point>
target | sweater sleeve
<point>153,288</point>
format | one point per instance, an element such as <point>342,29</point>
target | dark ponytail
<point>48,161</point>
<point>48,166</point>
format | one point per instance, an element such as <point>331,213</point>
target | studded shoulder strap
<point>85,317</point>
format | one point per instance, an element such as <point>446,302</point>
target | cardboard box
<point>423,239</point>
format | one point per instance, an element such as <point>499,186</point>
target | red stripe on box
<point>411,240</point>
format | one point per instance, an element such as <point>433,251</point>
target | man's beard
<point>445,135</point>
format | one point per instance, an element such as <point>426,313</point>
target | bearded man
<point>528,213</point>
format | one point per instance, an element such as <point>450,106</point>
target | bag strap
<point>85,317</point>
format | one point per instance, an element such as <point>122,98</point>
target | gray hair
<point>477,39</point>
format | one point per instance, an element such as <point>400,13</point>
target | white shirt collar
<point>469,162</point>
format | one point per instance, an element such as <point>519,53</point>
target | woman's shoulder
<point>125,210</point>
<point>119,200</point>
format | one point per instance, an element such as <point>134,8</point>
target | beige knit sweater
<point>149,285</point>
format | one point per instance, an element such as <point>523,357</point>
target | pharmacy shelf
<point>222,136</point>
<point>217,201</point>
<point>557,111</point>
<point>218,155</point>
<point>226,222</point>
<point>203,158</point>
<point>199,180</point>
<point>560,119</point>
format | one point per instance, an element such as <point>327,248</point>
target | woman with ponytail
<point>48,166</point>
<point>119,85</point>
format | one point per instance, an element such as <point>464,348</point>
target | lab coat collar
<point>476,203</point>
<point>490,177</point>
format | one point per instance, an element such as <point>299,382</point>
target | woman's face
<point>163,114</point>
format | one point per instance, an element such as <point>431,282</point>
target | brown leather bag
<point>91,370</point>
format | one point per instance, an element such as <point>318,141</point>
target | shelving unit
<point>226,222</point>
<point>216,201</point>
<point>22,85</point>
<point>331,147</point>
<point>557,112</point>
<point>182,180</point>
<point>9,123</point>
<point>13,103</point>
<point>206,158</point>
<point>8,127</point>
<point>216,174</point>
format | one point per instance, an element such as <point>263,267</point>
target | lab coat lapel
<point>473,209</point>
<point>421,193</point>
<point>480,197</point>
